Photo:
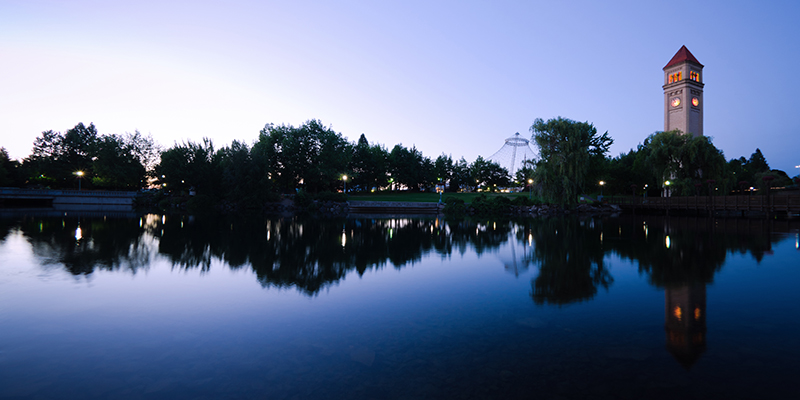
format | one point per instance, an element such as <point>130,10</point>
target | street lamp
<point>667,183</point>
<point>530,189</point>
<point>602,184</point>
<point>344,179</point>
<point>79,174</point>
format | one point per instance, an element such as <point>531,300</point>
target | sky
<point>452,77</point>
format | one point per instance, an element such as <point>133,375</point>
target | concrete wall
<point>86,200</point>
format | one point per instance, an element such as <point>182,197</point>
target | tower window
<point>694,76</point>
<point>675,77</point>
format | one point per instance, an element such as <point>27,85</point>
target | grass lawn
<point>425,197</point>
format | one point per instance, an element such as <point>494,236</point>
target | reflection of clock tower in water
<point>686,322</point>
<point>683,93</point>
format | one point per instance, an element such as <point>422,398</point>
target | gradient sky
<point>454,77</point>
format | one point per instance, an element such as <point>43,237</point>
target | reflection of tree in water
<point>83,244</point>
<point>310,254</point>
<point>569,253</point>
<point>679,251</point>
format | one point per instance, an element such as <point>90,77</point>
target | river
<point>174,306</point>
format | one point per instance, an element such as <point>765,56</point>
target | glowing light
<point>697,313</point>
<point>344,238</point>
<point>530,239</point>
<point>677,312</point>
<point>667,242</point>
<point>78,233</point>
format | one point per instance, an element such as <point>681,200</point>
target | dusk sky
<point>453,77</point>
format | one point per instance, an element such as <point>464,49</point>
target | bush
<point>302,200</point>
<point>454,206</point>
<point>483,205</point>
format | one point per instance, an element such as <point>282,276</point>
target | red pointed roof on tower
<point>682,55</point>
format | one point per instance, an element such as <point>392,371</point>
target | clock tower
<point>683,93</point>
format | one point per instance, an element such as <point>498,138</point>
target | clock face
<point>676,101</point>
<point>695,101</point>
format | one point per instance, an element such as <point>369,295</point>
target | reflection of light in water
<point>268,235</point>
<point>667,241</point>
<point>344,238</point>
<point>678,312</point>
<point>78,233</point>
<point>697,313</point>
<point>530,239</point>
<point>601,237</point>
<point>141,223</point>
<point>390,233</point>
<point>163,219</point>
<point>797,242</point>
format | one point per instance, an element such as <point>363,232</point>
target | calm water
<point>180,307</point>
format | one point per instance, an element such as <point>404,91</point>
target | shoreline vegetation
<point>313,169</point>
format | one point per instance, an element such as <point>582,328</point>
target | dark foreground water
<point>180,307</point>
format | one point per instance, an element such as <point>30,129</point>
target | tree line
<point>283,159</point>
<point>314,158</point>
<point>573,161</point>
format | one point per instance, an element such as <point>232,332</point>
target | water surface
<point>155,306</point>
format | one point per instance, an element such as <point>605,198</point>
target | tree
<point>460,178</point>
<point>409,167</point>
<point>9,170</point>
<point>443,168</point>
<point>191,165</point>
<point>757,163</point>
<point>115,165</point>
<point>108,161</point>
<point>684,160</point>
<point>567,149</point>
<point>311,156</point>
<point>488,174</point>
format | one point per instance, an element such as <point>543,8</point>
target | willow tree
<point>567,150</point>
<point>685,160</point>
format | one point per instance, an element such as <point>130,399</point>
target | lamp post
<point>666,185</point>
<point>530,189</point>
<point>602,185</point>
<point>344,179</point>
<point>79,174</point>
